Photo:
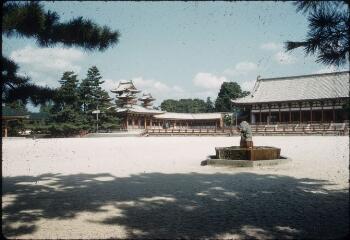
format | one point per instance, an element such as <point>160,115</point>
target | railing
<point>193,131</point>
<point>275,129</point>
<point>303,128</point>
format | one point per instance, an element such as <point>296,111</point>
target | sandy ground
<point>154,187</point>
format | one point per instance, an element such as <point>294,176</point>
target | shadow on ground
<point>156,205</point>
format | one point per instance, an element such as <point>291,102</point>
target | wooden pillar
<point>150,122</point>
<point>279,113</point>
<point>290,114</point>
<point>322,112</point>
<point>6,126</point>
<point>333,110</point>
<point>187,124</point>
<point>174,124</point>
<point>127,122</point>
<point>145,122</point>
<point>260,115</point>
<point>310,112</point>
<point>269,114</point>
<point>221,122</point>
<point>300,113</point>
<point>132,122</point>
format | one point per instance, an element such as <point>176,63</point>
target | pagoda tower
<point>147,100</point>
<point>126,94</point>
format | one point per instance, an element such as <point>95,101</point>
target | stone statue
<point>246,135</point>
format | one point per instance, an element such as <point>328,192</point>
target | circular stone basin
<point>255,153</point>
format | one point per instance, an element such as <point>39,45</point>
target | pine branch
<point>36,94</point>
<point>30,20</point>
<point>328,34</point>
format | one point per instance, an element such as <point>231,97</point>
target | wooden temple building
<point>316,98</point>
<point>8,115</point>
<point>144,116</point>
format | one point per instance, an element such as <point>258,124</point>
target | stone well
<point>253,154</point>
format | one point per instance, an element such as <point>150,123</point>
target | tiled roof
<point>11,112</point>
<point>125,85</point>
<point>306,87</point>
<point>189,116</point>
<point>139,109</point>
<point>126,95</point>
<point>146,96</point>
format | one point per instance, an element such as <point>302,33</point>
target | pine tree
<point>108,120</point>
<point>30,20</point>
<point>92,97</point>
<point>209,105</point>
<point>228,91</point>
<point>66,116</point>
<point>328,35</point>
<point>16,87</point>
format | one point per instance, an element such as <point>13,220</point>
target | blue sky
<point>176,49</point>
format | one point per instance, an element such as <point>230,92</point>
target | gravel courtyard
<point>155,187</point>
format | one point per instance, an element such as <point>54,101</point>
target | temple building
<point>316,98</point>
<point>8,115</point>
<point>144,116</point>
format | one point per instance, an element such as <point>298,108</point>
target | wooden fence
<point>277,129</point>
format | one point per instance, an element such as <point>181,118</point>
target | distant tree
<point>18,105</point>
<point>107,119</point>
<point>184,105</point>
<point>28,19</point>
<point>228,121</point>
<point>90,89</point>
<point>66,115</point>
<point>39,123</point>
<point>209,105</point>
<point>92,96</point>
<point>328,34</point>
<point>169,105</point>
<point>198,106</point>
<point>228,91</point>
<point>46,107</point>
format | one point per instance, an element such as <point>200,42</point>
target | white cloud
<point>48,59</point>
<point>280,56</point>
<point>284,58</point>
<point>247,85</point>
<point>151,85</point>
<point>243,73</point>
<point>208,81</point>
<point>271,46</point>
<point>241,68</point>
<point>45,66</point>
<point>109,84</point>
<point>43,79</point>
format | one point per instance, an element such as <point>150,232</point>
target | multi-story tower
<point>133,116</point>
<point>126,94</point>
<point>147,100</point>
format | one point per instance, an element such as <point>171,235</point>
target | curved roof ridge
<point>302,76</point>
